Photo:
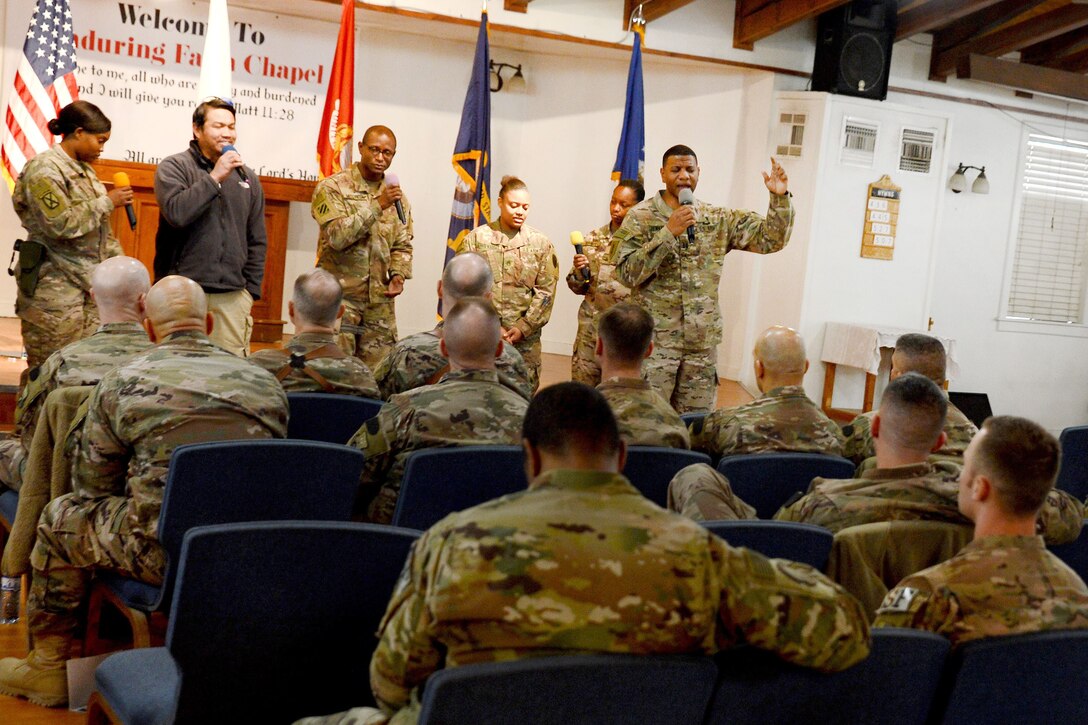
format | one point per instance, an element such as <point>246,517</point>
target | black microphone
<point>392,180</point>
<point>687,198</point>
<point>577,239</point>
<point>240,169</point>
<point>121,179</point>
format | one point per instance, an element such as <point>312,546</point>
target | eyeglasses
<point>379,151</point>
<point>212,99</point>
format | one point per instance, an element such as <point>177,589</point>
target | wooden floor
<point>556,368</point>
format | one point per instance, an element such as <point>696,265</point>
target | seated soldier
<point>1004,581</point>
<point>914,353</point>
<point>183,390</point>
<point>624,339</point>
<point>416,360</point>
<point>782,419</point>
<point>582,562</point>
<point>468,406</point>
<point>118,286</point>
<point>905,485</point>
<point>311,362</point>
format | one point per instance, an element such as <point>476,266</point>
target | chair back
<point>1073,474</point>
<point>768,480</point>
<point>598,689</point>
<point>650,468</point>
<point>439,481</point>
<point>806,543</point>
<point>691,418</point>
<point>227,482</point>
<point>1023,679</point>
<point>273,621</point>
<point>895,685</point>
<point>1075,553</point>
<point>328,417</point>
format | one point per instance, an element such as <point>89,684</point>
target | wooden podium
<point>140,242</point>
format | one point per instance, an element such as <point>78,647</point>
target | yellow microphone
<point>577,240</point>
<point>121,179</point>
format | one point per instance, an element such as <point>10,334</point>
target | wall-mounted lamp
<point>515,84</point>
<point>958,182</point>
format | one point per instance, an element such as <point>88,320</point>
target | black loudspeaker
<point>854,49</point>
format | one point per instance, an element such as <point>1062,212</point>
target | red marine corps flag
<point>45,82</point>
<point>336,121</point>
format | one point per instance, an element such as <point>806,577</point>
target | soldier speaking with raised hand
<point>670,251</point>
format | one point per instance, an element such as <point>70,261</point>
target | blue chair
<point>9,504</point>
<point>768,480</point>
<point>1025,679</point>
<point>806,543</point>
<point>228,482</point>
<point>1075,553</point>
<point>439,481</point>
<point>693,421</point>
<point>895,685</point>
<point>605,689</point>
<point>1073,474</point>
<point>253,636</point>
<point>328,417</point>
<point>650,468</point>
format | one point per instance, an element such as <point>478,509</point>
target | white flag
<point>215,62</point>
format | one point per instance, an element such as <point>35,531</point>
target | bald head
<point>316,300</point>
<point>466,275</point>
<point>471,334</point>
<point>378,131</point>
<point>779,358</point>
<point>174,304</point>
<point>118,285</point>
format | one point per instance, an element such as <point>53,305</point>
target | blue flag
<point>631,153</point>
<point>472,154</point>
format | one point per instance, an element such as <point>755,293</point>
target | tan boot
<point>42,677</point>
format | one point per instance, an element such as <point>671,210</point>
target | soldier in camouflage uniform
<point>137,415</point>
<point>581,562</point>
<point>311,361</point>
<point>417,360</point>
<point>783,418</point>
<point>594,276</point>
<point>1005,581</point>
<point>645,418</point>
<point>364,243</point>
<point>676,278</point>
<point>468,406</point>
<point>525,269</point>
<point>65,208</point>
<point>905,486</point>
<point>914,353</point>
<point>118,286</point>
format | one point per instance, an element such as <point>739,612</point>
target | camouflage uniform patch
<point>62,204</point>
<point>702,494</point>
<point>859,438</point>
<point>526,273</point>
<point>347,376</point>
<point>581,562</point>
<point>918,492</point>
<point>466,407</point>
<point>364,247</point>
<point>602,291</point>
<point>995,586</point>
<point>417,360</point>
<point>782,419</point>
<point>688,380</point>
<point>676,281</point>
<point>644,417</point>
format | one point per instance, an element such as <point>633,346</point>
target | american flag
<point>44,84</point>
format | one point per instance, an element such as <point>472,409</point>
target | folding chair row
<point>328,417</point>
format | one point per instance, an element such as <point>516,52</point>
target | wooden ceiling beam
<point>1051,52</point>
<point>1031,78</point>
<point>935,14</point>
<point>651,9</point>
<point>757,19</point>
<point>1073,62</point>
<point>517,6</point>
<point>972,34</point>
